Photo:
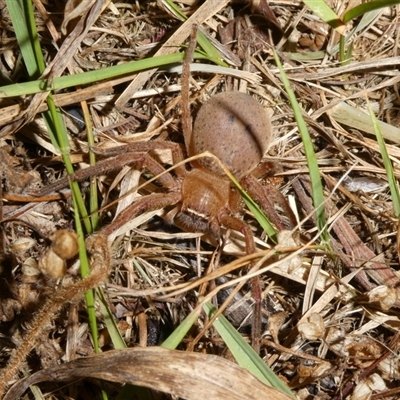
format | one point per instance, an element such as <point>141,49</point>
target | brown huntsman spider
<point>234,127</point>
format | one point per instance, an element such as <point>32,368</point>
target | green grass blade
<point>176,10</point>
<point>59,137</point>
<point>28,40</point>
<point>369,12</point>
<point>364,23</point>
<point>212,53</point>
<point>315,177</point>
<point>112,328</point>
<point>64,82</point>
<point>21,14</point>
<point>255,210</point>
<point>176,337</point>
<point>394,190</point>
<point>94,200</point>
<point>362,9</point>
<point>366,20</point>
<point>210,50</point>
<point>320,8</point>
<point>244,354</point>
<point>85,271</point>
<point>259,216</point>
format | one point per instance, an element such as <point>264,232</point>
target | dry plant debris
<point>330,315</point>
<point>221,380</point>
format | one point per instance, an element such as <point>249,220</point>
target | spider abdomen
<point>234,127</point>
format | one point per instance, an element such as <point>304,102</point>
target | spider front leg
<point>145,147</point>
<point>155,201</point>
<point>119,156</point>
<point>100,168</point>
<point>266,198</point>
<point>135,153</point>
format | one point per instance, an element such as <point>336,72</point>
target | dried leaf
<point>74,9</point>
<point>313,328</point>
<point>183,374</point>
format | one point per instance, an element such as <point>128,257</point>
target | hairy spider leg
<point>266,197</point>
<point>242,227</point>
<point>143,147</point>
<point>155,201</point>
<point>124,155</point>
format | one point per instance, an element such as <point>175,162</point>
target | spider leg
<point>277,197</point>
<point>111,163</point>
<point>143,147</point>
<point>155,201</point>
<point>266,198</point>
<point>147,203</point>
<point>241,226</point>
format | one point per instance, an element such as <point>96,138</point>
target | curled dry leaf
<point>286,240</point>
<point>313,328</point>
<point>389,367</point>
<point>22,245</point>
<point>74,9</point>
<point>275,322</point>
<point>30,267</point>
<point>311,369</point>
<point>183,374</point>
<point>359,350</point>
<point>365,388</point>
<point>386,297</point>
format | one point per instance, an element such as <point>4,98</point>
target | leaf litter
<point>330,318</point>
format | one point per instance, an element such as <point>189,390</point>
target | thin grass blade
<point>362,9</point>
<point>64,82</point>
<point>320,8</point>
<point>315,176</point>
<point>244,354</point>
<point>394,189</point>
<point>112,328</point>
<point>21,20</point>
<point>255,209</point>
<point>209,49</point>
<point>176,337</point>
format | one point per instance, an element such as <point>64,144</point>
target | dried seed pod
<point>30,267</point>
<point>311,369</point>
<point>51,265</point>
<point>65,244</point>
<point>63,247</point>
